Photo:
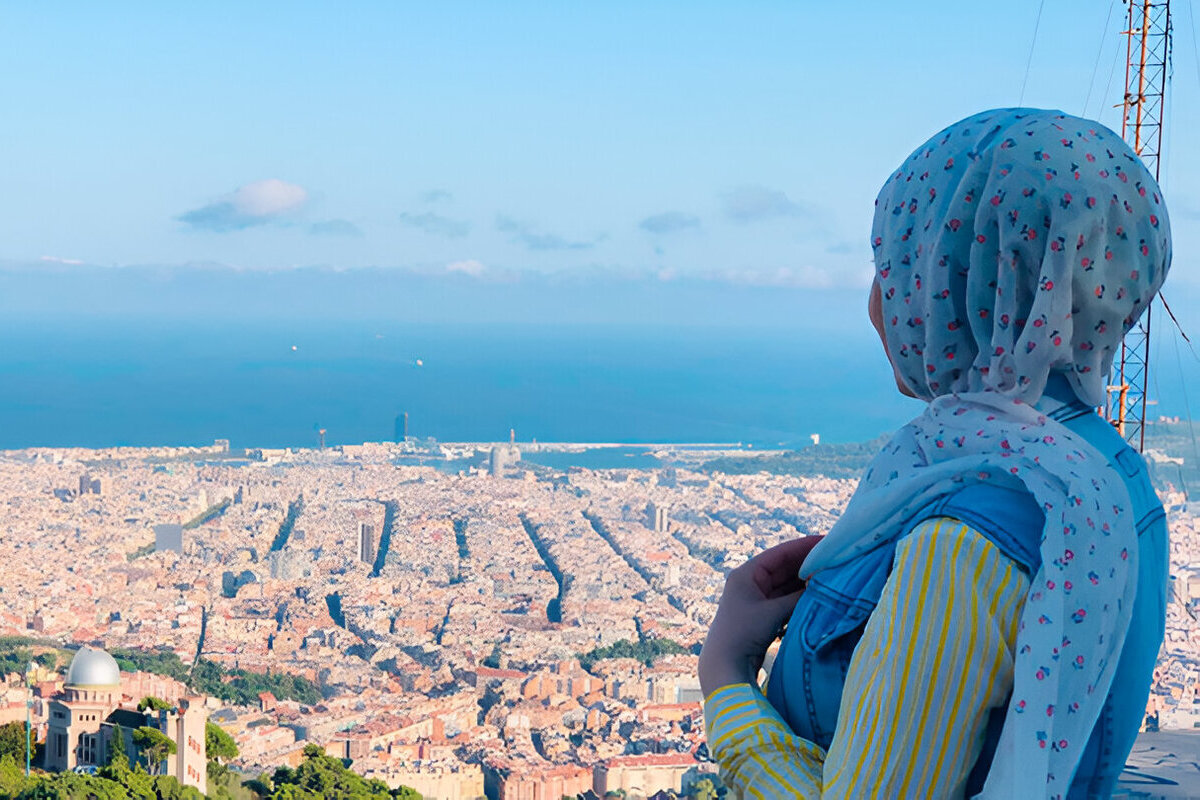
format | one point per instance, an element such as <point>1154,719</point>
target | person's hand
<point>758,598</point>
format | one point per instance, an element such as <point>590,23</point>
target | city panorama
<point>451,620</point>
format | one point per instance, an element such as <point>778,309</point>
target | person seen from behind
<point>985,617</point>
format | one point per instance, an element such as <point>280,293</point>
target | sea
<point>277,384</point>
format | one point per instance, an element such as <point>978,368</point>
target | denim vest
<point>810,668</point>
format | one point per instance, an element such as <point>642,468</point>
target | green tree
<point>219,745</point>
<point>14,658</point>
<point>116,748</point>
<point>703,789</point>
<point>207,677</point>
<point>168,788</point>
<point>225,784</point>
<point>321,775</point>
<point>154,703</point>
<point>12,740</point>
<point>12,776</point>
<point>137,784</point>
<point>261,786</point>
<point>68,786</point>
<point>645,650</point>
<point>154,746</point>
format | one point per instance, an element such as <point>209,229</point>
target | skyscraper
<point>656,518</point>
<point>365,551</point>
<point>504,456</point>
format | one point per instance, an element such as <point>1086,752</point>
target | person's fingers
<point>775,568</point>
<point>781,607</point>
<point>792,585</point>
<point>771,586</point>
<point>788,554</point>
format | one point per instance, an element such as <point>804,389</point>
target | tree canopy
<point>320,776</point>
<point>236,686</point>
<point>12,740</point>
<point>154,746</point>
<point>114,782</point>
<point>645,651</point>
<point>116,748</point>
<point>219,745</point>
<point>154,703</point>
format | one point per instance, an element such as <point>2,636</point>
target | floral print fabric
<point>1015,244</point>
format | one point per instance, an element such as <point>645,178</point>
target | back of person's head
<point>1013,244</point>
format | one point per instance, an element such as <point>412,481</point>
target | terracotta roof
<point>490,672</point>
<point>652,760</point>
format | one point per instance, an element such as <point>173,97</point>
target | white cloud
<point>467,267</point>
<point>269,197</point>
<point>255,203</point>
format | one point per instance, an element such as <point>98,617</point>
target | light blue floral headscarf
<point>1011,245</point>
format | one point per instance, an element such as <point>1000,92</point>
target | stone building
<point>91,709</point>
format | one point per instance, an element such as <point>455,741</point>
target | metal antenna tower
<point>1148,48</point>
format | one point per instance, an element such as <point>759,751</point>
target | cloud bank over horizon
<point>465,291</point>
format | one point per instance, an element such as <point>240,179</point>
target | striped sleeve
<point>935,657</point>
<point>757,751</point>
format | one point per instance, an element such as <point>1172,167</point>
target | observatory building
<point>92,709</point>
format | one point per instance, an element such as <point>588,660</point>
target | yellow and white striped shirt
<point>935,657</point>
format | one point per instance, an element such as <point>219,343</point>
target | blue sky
<point>738,140</point>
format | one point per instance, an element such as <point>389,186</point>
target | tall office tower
<point>400,434</point>
<point>366,543</point>
<point>503,456</point>
<point>656,518</point>
<point>168,537</point>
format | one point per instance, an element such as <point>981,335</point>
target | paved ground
<point>1163,765</point>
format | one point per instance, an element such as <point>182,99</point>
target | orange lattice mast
<point>1148,47</point>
